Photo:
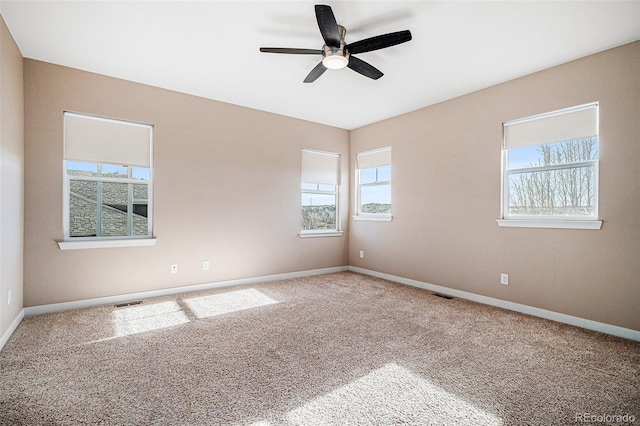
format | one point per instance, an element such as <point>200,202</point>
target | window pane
<point>564,152</point>
<point>83,208</point>
<point>368,175</point>
<point>80,168</point>
<point>564,192</point>
<point>112,170</point>
<point>384,173</point>
<point>143,173</point>
<point>375,199</point>
<point>318,187</point>
<point>325,187</point>
<point>309,186</point>
<point>114,209</point>
<point>140,207</point>
<point>318,211</point>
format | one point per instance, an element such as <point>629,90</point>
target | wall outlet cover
<point>504,279</point>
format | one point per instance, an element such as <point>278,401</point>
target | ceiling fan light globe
<point>335,62</point>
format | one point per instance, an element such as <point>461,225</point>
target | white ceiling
<point>211,48</point>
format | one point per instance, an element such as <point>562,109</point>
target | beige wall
<point>227,190</point>
<point>446,196</point>
<point>11,177</point>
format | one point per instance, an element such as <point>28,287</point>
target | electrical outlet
<point>174,268</point>
<point>361,254</point>
<point>9,297</point>
<point>504,279</point>
<point>205,265</point>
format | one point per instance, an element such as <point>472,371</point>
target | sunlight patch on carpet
<point>218,304</point>
<point>390,395</point>
<point>141,318</point>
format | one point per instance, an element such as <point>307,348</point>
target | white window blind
<point>374,158</point>
<point>572,123</point>
<point>102,140</point>
<point>320,167</point>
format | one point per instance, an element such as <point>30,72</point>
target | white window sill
<point>93,244</point>
<point>316,234</point>
<point>375,218</point>
<point>550,223</point>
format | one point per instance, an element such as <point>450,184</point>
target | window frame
<point>99,241</point>
<point>311,233</point>
<point>359,214</point>
<point>130,203</point>
<point>549,221</point>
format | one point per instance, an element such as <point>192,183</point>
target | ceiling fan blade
<point>358,65</point>
<point>315,73</point>
<point>290,50</point>
<point>379,42</point>
<point>328,25</point>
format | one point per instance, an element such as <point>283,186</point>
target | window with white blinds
<point>319,186</point>
<point>373,184</point>
<point>550,166</point>
<point>107,178</point>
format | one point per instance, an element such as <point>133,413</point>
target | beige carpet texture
<point>335,349</point>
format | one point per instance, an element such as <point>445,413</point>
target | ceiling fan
<point>336,53</point>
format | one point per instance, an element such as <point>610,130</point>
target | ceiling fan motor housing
<point>336,57</point>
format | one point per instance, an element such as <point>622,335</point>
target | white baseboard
<point>614,330</point>
<point>5,337</point>
<point>108,300</point>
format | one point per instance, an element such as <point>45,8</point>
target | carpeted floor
<point>325,350</point>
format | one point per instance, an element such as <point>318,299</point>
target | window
<point>373,180</point>
<point>320,182</point>
<point>107,178</point>
<point>550,169</point>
